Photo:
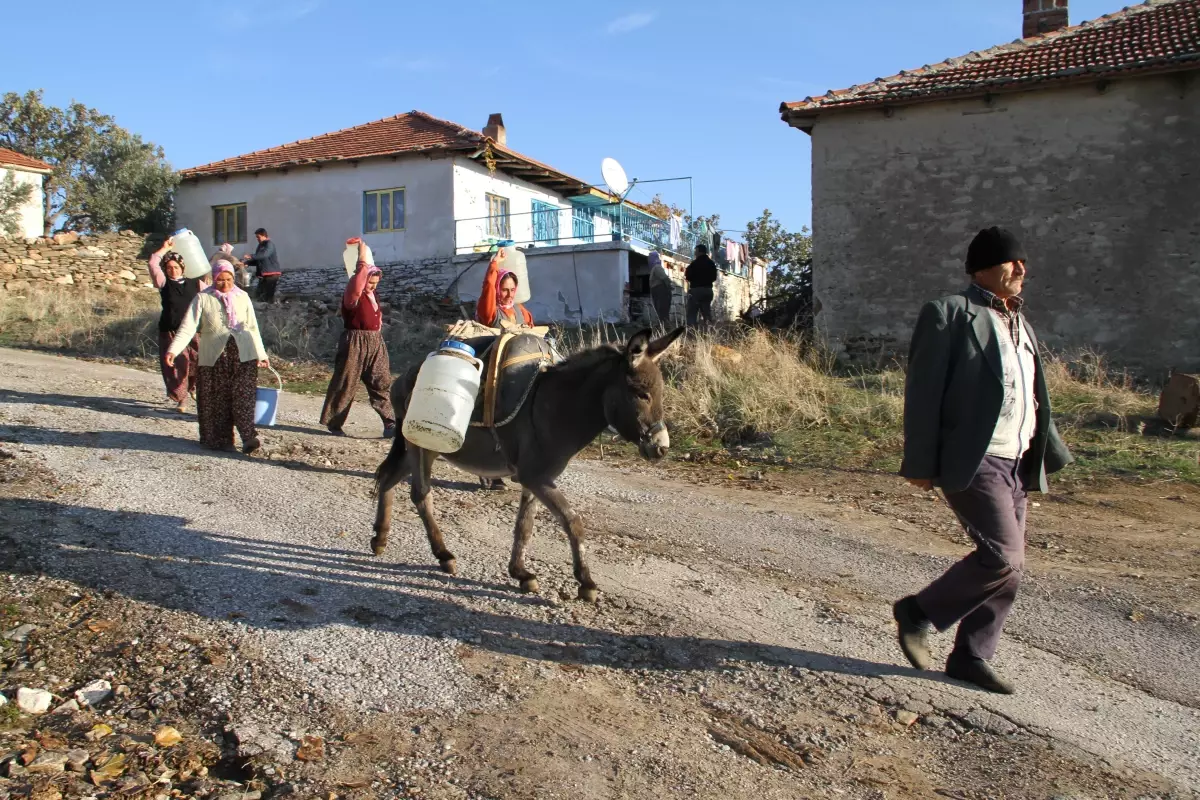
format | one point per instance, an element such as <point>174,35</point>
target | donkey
<point>569,405</point>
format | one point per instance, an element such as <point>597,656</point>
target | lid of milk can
<point>462,347</point>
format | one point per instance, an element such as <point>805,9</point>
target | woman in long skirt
<point>177,292</point>
<point>231,351</point>
<point>362,354</point>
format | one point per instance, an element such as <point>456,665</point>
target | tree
<point>126,184</point>
<point>788,255</point>
<point>13,196</point>
<point>102,174</point>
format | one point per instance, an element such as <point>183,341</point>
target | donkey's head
<point>633,404</point>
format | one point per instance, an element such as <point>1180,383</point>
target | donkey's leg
<point>572,523</point>
<point>421,489</point>
<point>395,468</point>
<point>521,538</point>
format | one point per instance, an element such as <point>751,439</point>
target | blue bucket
<point>266,402</point>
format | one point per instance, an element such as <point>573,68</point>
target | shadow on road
<point>158,559</point>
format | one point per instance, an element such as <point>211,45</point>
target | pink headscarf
<point>226,298</point>
<point>504,274</point>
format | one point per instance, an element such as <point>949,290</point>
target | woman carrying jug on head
<point>231,351</point>
<point>497,299</point>
<point>177,293</point>
<point>362,354</point>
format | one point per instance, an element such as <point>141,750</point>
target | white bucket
<point>439,409</point>
<point>266,402</point>
<point>514,262</point>
<point>350,258</point>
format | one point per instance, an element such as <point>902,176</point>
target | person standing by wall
<point>362,354</point>
<point>700,275</point>
<point>231,351</point>
<point>177,293</point>
<point>977,423</point>
<point>266,266</point>
<point>661,290</point>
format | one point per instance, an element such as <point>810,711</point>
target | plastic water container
<point>439,410</point>
<point>195,262</point>
<point>350,257</point>
<point>266,401</point>
<point>514,262</point>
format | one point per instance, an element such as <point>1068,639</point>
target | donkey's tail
<point>385,474</point>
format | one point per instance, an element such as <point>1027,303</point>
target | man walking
<point>266,266</point>
<point>977,423</point>
<point>700,275</point>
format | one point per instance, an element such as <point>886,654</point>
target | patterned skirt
<point>361,356</point>
<point>225,399</point>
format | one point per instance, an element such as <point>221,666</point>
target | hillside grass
<point>778,398</point>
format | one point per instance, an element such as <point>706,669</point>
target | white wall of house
<point>310,213</point>
<point>472,184</point>
<point>31,215</point>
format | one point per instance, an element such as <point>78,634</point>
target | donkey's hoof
<point>449,566</point>
<point>378,545</point>
<point>530,586</point>
<point>588,594</point>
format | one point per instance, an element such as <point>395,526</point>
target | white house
<point>425,194</point>
<point>31,171</point>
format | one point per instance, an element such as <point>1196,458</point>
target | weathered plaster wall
<point>1102,184</point>
<point>310,213</point>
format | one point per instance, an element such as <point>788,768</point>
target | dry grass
<point>779,394</point>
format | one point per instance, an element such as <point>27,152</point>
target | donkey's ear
<point>637,347</point>
<point>662,344</point>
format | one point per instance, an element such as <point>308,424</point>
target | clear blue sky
<point>668,87</point>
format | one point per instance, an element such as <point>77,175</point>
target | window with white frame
<point>497,212</point>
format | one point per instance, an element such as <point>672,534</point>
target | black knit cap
<point>992,246</point>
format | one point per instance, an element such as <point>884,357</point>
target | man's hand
<point>925,484</point>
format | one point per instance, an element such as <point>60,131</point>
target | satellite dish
<point>614,176</point>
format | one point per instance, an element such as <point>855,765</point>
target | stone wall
<point>403,281</point>
<point>114,260</point>
<point>1099,180</point>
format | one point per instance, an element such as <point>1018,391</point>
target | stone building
<point>1084,139</point>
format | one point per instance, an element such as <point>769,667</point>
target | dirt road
<point>742,647</point>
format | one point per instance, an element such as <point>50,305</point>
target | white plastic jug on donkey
<point>439,409</point>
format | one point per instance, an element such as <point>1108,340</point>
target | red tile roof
<point>1157,36</point>
<point>404,134</point>
<point>11,158</point>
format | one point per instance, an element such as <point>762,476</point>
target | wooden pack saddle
<point>513,357</point>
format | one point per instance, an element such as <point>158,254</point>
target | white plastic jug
<point>514,262</point>
<point>439,410</point>
<point>195,263</point>
<point>350,257</point>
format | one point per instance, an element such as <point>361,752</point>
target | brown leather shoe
<point>913,632</point>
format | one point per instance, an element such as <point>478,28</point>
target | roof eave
<point>25,168</point>
<point>806,116</point>
<point>196,173</point>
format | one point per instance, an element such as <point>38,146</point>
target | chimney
<point>1043,16</point>
<point>494,129</point>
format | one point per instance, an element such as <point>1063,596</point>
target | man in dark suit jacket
<point>977,424</point>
